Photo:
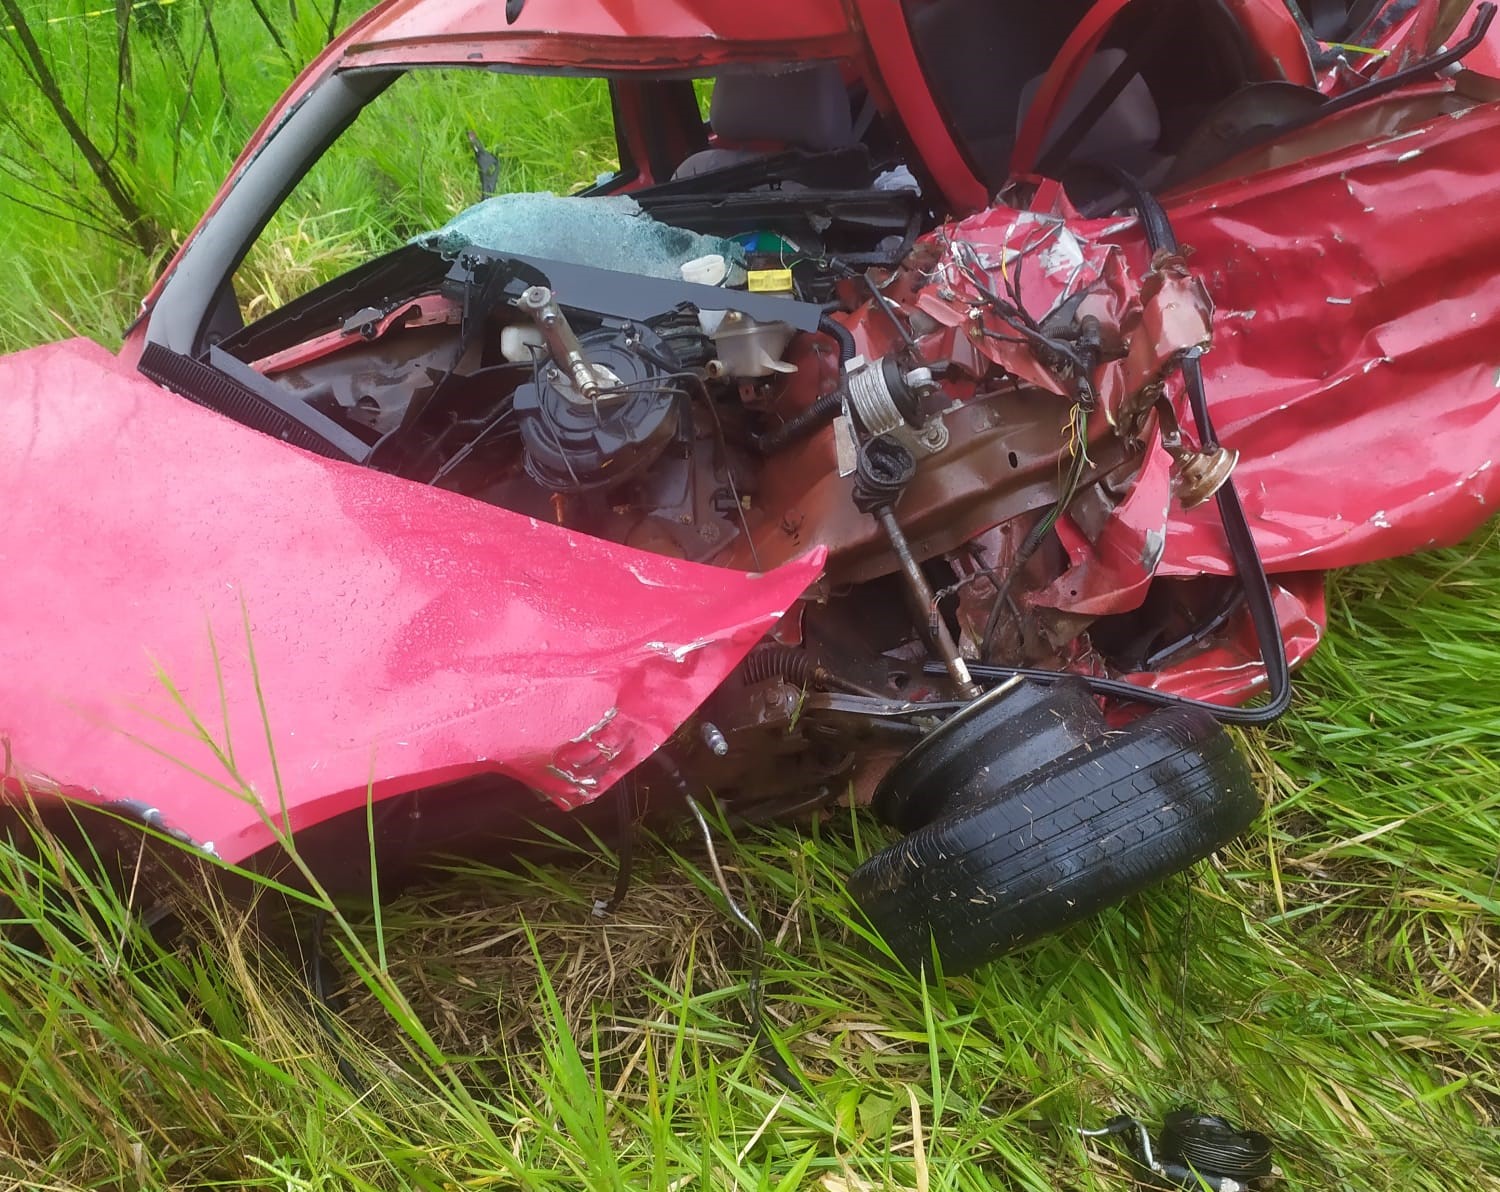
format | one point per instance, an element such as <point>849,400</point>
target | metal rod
<point>562,341</point>
<point>923,602</point>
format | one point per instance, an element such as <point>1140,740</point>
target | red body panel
<point>1348,362</point>
<point>739,26</point>
<point>1349,366</point>
<point>1352,363</point>
<point>404,636</point>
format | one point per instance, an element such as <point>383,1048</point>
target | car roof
<point>604,35</point>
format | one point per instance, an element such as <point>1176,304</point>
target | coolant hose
<point>801,426</point>
<point>841,335</point>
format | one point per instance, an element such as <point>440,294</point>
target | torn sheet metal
<point>1063,271</point>
<point>1353,362</point>
<point>402,636</point>
<point>1351,365</point>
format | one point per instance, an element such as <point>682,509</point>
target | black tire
<point>1084,832</point>
<point>994,741</point>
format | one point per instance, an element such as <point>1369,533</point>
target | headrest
<point>807,108</point>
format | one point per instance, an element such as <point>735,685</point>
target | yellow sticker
<point>770,281</point>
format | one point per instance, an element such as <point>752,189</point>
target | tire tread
<point>1084,832</point>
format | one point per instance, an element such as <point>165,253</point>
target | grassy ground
<point>188,112</point>
<point>1333,979</point>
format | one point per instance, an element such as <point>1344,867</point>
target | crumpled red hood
<point>1354,297</point>
<point>403,636</point>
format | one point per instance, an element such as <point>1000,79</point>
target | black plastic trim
<point>232,388</point>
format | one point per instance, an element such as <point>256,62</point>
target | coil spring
<point>871,399</point>
<point>776,661</point>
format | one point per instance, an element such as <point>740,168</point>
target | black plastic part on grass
<point>1206,1143</point>
<point>1035,854</point>
<point>625,826</point>
<point>1198,1151</point>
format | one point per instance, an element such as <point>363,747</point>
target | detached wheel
<point>1009,732</point>
<point>994,871</point>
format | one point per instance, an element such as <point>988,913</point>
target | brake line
<point>1243,552</point>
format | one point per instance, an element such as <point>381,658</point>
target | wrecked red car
<point>959,416</point>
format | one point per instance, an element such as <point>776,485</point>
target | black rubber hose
<point>825,409</point>
<point>800,426</point>
<point>840,334</point>
<point>1242,549</point>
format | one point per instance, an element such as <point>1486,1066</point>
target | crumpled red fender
<point>402,636</point>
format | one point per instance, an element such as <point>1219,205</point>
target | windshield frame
<point>196,286</point>
<point>195,304</point>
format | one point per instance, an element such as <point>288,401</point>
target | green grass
<point>404,168</point>
<point>1333,979</point>
<point>193,113</point>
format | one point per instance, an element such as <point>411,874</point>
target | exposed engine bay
<point>765,335</point>
<point>927,420</point>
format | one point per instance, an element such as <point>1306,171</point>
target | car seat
<point>754,113</point>
<point>986,61</point>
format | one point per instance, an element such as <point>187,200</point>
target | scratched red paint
<point>403,635</point>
